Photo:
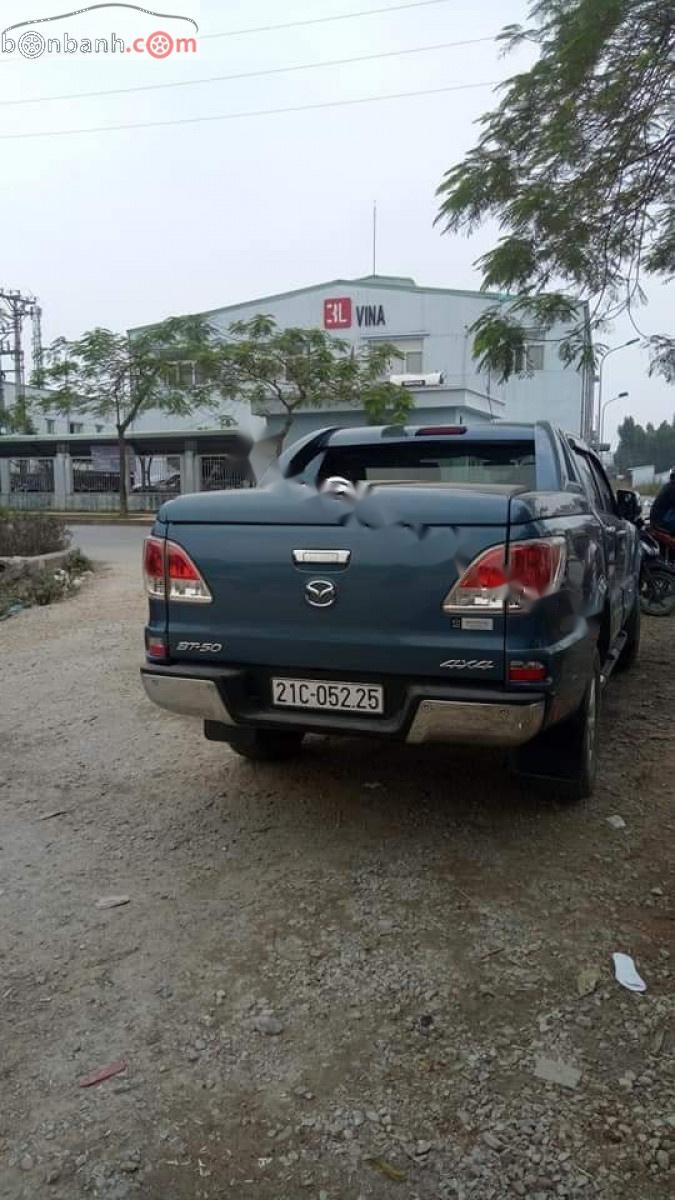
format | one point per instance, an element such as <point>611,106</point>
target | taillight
<point>156,648</point>
<point>515,576</point>
<point>153,567</point>
<point>527,672</point>
<point>185,581</point>
<point>167,565</point>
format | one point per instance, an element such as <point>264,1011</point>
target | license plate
<point>330,694</point>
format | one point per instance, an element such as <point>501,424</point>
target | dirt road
<point>337,978</point>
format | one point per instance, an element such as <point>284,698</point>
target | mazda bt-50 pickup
<point>449,584</point>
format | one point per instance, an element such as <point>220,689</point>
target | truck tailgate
<point>385,614</point>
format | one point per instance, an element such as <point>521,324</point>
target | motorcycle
<point>657,561</point>
<point>657,575</point>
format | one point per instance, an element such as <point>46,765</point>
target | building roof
<point>170,441</point>
<point>394,283</point>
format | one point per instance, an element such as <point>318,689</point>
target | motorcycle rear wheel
<point>657,591</point>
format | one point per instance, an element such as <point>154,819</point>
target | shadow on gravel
<point>448,782</point>
<point>353,797</point>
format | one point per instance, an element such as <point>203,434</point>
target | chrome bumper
<point>465,722</point>
<point>469,722</point>
<point>189,697</point>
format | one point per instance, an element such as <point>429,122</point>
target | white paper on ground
<point>625,972</point>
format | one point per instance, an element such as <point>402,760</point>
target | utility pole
<point>612,350</point>
<point>375,238</point>
<point>14,308</point>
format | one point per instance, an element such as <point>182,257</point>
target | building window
<point>75,427</point>
<point>99,428</point>
<point>409,358</point>
<point>181,374</point>
<point>51,426</point>
<point>413,361</point>
<point>531,357</point>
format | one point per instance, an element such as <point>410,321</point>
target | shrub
<point>42,585</point>
<point>31,533</point>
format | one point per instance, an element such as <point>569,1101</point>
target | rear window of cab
<point>488,462</point>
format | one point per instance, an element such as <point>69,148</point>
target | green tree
<point>577,165</point>
<point>281,370</point>
<point>17,419</point>
<point>117,377</point>
<point>640,447</point>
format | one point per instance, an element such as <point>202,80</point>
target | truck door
<point>613,533</point>
<point>624,535</point>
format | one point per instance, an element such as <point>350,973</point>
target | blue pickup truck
<point>462,585</point>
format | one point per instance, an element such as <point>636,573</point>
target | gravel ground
<point>339,978</point>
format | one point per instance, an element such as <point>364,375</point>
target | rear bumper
<point>472,722</point>
<point>483,717</point>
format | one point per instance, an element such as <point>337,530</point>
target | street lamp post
<point>630,342</point>
<point>601,431</point>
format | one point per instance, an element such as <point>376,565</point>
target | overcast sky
<point>121,228</point>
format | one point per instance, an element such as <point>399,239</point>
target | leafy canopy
<point>577,166</point>
<point>117,377</point>
<point>281,370</point>
<point>640,447</point>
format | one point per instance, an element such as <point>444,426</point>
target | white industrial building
<point>430,328</point>
<point>48,423</point>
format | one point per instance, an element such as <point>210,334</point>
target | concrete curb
<point>71,518</point>
<point>15,565</point>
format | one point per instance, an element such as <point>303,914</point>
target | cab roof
<point>487,431</point>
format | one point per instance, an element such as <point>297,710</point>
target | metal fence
<point>88,479</point>
<point>91,483</point>
<point>152,479</point>
<point>31,482</point>
<point>218,471</point>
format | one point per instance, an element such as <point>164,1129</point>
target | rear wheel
<point>657,591</point>
<point>567,753</point>
<point>263,745</point>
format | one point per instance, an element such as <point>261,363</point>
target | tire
<point>657,591</point>
<point>567,753</point>
<point>631,651</point>
<point>265,745</point>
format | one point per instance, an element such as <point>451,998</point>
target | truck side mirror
<point>628,504</point>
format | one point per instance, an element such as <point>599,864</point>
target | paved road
<point>111,543</point>
<point>343,976</point>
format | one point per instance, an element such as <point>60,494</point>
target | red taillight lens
<point>486,573</point>
<point>185,581</point>
<point>531,570</point>
<point>535,566</point>
<point>153,567</point>
<point>165,564</point>
<point>527,672</point>
<point>155,647</point>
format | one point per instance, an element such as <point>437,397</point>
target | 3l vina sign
<point>338,313</point>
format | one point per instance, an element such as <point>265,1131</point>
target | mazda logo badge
<point>320,593</point>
